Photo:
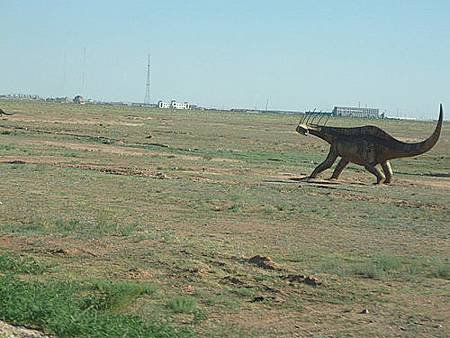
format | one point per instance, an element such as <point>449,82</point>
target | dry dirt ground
<point>213,207</point>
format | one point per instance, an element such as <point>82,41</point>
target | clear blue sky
<point>389,54</point>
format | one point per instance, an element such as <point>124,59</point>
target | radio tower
<point>147,86</point>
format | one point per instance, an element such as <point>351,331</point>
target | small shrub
<point>183,305</point>
<point>236,207</point>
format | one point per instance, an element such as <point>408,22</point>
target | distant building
<point>371,113</point>
<point>78,99</point>
<point>20,97</point>
<point>174,105</point>
<point>57,99</point>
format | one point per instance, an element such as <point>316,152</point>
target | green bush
<point>83,310</point>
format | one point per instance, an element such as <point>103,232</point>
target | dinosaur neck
<point>320,132</point>
<point>414,149</point>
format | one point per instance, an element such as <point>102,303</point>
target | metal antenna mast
<point>147,86</point>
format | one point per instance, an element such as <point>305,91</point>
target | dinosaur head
<point>306,129</point>
<point>307,124</point>
<point>302,129</point>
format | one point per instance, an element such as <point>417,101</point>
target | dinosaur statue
<point>367,146</point>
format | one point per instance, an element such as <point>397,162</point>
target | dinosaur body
<point>368,146</point>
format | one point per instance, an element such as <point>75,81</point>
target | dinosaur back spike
<point>313,118</point>
<point>303,117</point>
<point>320,118</point>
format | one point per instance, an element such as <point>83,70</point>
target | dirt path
<point>23,118</point>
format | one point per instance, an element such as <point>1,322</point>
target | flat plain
<point>129,221</point>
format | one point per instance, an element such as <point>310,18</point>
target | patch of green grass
<point>333,266</point>
<point>224,300</point>
<point>95,228</point>
<point>115,296</point>
<point>5,147</point>
<point>183,305</point>
<point>236,207</point>
<point>70,309</point>
<point>385,266</point>
<point>10,263</point>
<point>441,270</point>
<point>187,305</point>
<point>244,292</point>
<point>378,267</point>
<point>7,132</point>
<point>382,266</point>
<point>71,154</point>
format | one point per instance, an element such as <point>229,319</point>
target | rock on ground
<point>10,331</point>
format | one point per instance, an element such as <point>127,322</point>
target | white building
<point>356,112</point>
<point>174,105</point>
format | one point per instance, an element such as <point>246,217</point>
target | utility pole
<point>147,86</point>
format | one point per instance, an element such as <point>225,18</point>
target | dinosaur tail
<point>414,149</point>
<point>4,113</point>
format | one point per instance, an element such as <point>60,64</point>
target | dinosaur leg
<point>376,171</point>
<point>338,170</point>
<point>387,169</point>
<point>332,156</point>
